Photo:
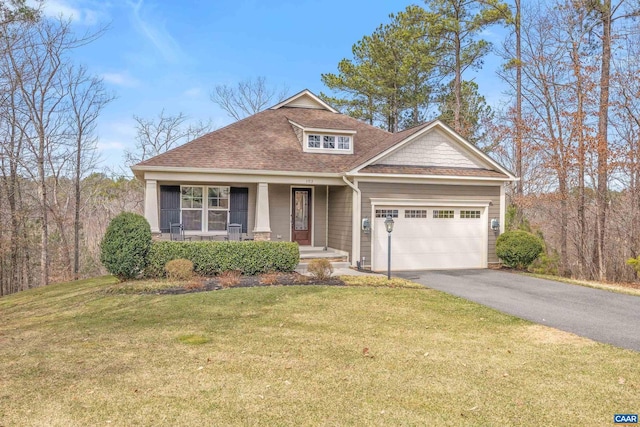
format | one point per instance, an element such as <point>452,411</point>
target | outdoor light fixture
<point>495,224</point>
<point>388,224</point>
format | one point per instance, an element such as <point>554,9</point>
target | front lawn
<point>73,354</point>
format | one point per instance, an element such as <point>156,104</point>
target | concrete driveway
<point>596,314</point>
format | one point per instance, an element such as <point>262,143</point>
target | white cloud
<point>154,30</point>
<point>120,79</point>
<point>79,11</point>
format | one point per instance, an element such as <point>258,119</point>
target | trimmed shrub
<point>125,245</point>
<point>211,258</point>
<point>518,249</point>
<point>320,268</point>
<point>179,269</point>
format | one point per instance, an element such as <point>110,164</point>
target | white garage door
<point>431,238</point>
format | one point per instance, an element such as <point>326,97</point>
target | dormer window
<point>323,140</point>
<point>329,142</point>
<point>344,143</point>
<point>314,141</point>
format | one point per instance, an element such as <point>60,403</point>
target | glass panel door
<point>301,219</point>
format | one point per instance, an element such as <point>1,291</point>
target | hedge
<point>210,258</point>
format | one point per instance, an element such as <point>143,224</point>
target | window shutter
<point>239,207</point>
<point>169,206</point>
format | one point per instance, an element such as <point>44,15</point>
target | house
<point>302,172</point>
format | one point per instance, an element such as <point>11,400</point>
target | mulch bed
<point>283,279</point>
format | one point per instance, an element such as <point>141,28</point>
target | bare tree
<point>35,55</point>
<point>159,135</point>
<point>247,98</point>
<point>87,98</point>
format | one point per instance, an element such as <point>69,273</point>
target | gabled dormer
<point>317,137</point>
<point>324,140</point>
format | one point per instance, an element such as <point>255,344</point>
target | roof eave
<point>431,177</point>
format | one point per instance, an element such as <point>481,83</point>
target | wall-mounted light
<point>366,225</point>
<point>495,224</point>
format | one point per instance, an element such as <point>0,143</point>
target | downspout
<point>326,221</point>
<point>355,226</point>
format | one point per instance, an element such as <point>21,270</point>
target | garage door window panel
<point>469,214</point>
<point>383,213</point>
<point>415,213</point>
<point>443,214</point>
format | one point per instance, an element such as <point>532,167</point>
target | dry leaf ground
<point>74,355</point>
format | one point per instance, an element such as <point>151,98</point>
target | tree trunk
<point>519,184</point>
<point>602,141</point>
<point>44,226</point>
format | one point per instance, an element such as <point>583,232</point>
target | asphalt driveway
<point>596,314</point>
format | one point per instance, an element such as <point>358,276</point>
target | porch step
<point>310,252</point>
<point>302,267</point>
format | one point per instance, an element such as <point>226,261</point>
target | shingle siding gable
<point>431,149</point>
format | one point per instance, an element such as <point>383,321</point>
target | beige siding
<point>428,191</point>
<point>340,217</point>
<point>319,209</point>
<point>305,102</point>
<point>279,214</point>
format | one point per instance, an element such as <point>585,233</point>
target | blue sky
<point>170,54</point>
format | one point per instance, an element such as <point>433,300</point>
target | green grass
<point>74,355</point>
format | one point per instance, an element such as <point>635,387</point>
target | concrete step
<point>302,266</point>
<point>309,252</point>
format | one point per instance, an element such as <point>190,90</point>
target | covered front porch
<point>307,213</point>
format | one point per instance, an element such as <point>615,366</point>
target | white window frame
<point>319,141</point>
<point>204,209</point>
<point>327,139</point>
<point>343,140</point>
<point>218,208</point>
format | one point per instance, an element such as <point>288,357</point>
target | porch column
<point>262,230</point>
<point>151,204</point>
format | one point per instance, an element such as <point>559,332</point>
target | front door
<point>301,226</point>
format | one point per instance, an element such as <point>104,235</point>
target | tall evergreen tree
<point>458,25</point>
<point>475,114</point>
<point>390,80</point>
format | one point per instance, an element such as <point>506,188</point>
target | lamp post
<point>388,223</point>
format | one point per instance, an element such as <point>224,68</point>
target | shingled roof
<point>266,141</point>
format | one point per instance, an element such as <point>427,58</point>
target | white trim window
<point>313,141</point>
<point>344,143</point>
<point>193,207</point>
<point>331,143</point>
<point>217,208</point>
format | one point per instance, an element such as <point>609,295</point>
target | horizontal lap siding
<point>319,210</point>
<point>340,217</point>
<point>429,191</point>
<point>279,214</point>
